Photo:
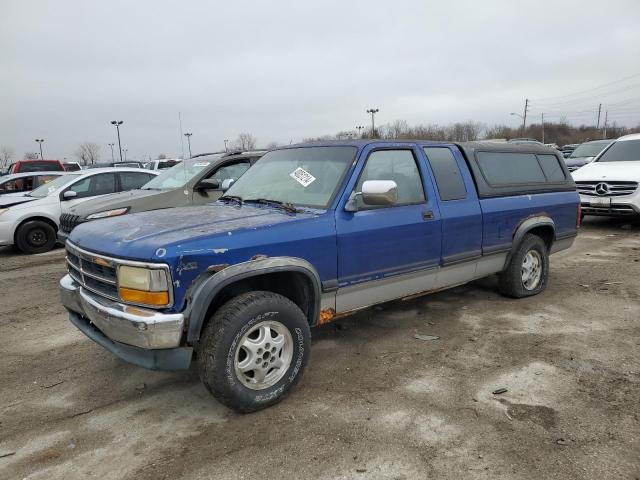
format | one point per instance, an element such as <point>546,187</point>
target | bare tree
<point>31,156</point>
<point>88,153</point>
<point>6,154</point>
<point>162,156</point>
<point>245,141</point>
<point>272,145</point>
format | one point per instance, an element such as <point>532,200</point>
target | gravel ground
<point>374,402</point>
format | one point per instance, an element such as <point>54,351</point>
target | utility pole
<point>117,124</point>
<point>373,112</point>
<point>359,128</point>
<point>40,140</point>
<point>599,110</point>
<point>112,158</point>
<point>542,120</point>
<point>524,117</point>
<point>225,145</point>
<point>606,118</point>
<point>188,135</point>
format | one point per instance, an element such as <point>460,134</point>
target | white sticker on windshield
<point>201,164</point>
<point>303,177</point>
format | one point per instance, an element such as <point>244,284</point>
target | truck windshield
<point>50,187</point>
<point>306,176</point>
<point>624,151</point>
<point>589,149</point>
<point>178,175</point>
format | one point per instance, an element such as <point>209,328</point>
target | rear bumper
<point>143,337</point>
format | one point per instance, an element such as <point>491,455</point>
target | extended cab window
<point>510,168</point>
<point>448,176</point>
<point>399,166</point>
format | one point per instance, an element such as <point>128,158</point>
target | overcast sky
<point>285,70</point>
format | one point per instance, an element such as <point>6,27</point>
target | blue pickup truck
<point>310,233</point>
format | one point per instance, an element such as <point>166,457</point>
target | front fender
<point>209,286</point>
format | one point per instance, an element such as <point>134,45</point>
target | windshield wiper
<point>287,207</point>
<point>233,198</point>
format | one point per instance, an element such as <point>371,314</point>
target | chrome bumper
<point>125,324</point>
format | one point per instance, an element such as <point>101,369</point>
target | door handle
<point>427,215</point>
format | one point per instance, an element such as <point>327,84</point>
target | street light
<point>111,145</point>
<point>225,144</point>
<point>40,140</point>
<point>373,111</point>
<point>117,124</point>
<point>188,135</point>
<point>359,128</point>
<point>518,115</point>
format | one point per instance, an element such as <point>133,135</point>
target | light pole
<point>40,140</point>
<point>188,135</point>
<point>225,145</point>
<point>111,145</point>
<point>117,124</point>
<point>125,153</point>
<point>359,128</point>
<point>518,115</point>
<point>373,112</point>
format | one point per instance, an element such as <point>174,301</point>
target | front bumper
<point>140,336</point>
<point>62,237</point>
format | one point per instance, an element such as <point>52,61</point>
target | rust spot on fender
<point>217,268</point>
<point>326,315</point>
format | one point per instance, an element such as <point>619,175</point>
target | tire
<point>527,273</point>
<point>35,236</point>
<point>236,337</point>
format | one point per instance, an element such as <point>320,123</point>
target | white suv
<point>609,184</point>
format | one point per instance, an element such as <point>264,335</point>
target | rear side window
<point>509,168</point>
<point>448,176</point>
<point>551,168</point>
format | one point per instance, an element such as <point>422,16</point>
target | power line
<point>588,90</point>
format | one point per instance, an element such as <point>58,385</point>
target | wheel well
<point>545,232</point>
<point>31,219</point>
<point>295,286</point>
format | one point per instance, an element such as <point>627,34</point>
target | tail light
<point>579,220</point>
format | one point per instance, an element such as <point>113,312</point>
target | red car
<point>22,166</point>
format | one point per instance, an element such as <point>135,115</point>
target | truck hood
<point>111,201</point>
<point>617,171</point>
<point>142,235</point>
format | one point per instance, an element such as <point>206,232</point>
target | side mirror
<point>69,194</point>
<point>208,184</point>
<point>379,192</point>
<point>226,183</point>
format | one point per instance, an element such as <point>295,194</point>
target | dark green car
<point>196,181</point>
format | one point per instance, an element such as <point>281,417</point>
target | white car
<point>21,183</point>
<point>31,225</point>
<point>162,164</point>
<point>609,185</point>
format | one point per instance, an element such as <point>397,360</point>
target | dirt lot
<point>374,403</point>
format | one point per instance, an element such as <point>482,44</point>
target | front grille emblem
<point>602,189</point>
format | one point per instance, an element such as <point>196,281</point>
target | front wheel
<point>528,270</point>
<point>254,350</point>
<point>35,236</point>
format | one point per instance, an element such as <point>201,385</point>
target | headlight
<point>142,285</point>
<point>108,213</point>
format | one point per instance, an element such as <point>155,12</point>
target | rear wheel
<point>254,350</point>
<point>528,270</point>
<point>35,236</point>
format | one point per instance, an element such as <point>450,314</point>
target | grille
<point>93,272</point>
<point>68,222</point>
<point>614,209</point>
<point>606,189</point>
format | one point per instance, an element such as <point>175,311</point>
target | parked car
<point>568,149</point>
<point>194,182</point>
<point>32,224</point>
<point>525,141</point>
<point>20,183</point>
<point>609,185</point>
<point>71,166</point>
<point>116,164</point>
<point>22,166</point>
<point>585,153</point>
<point>162,164</point>
<point>310,233</point>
